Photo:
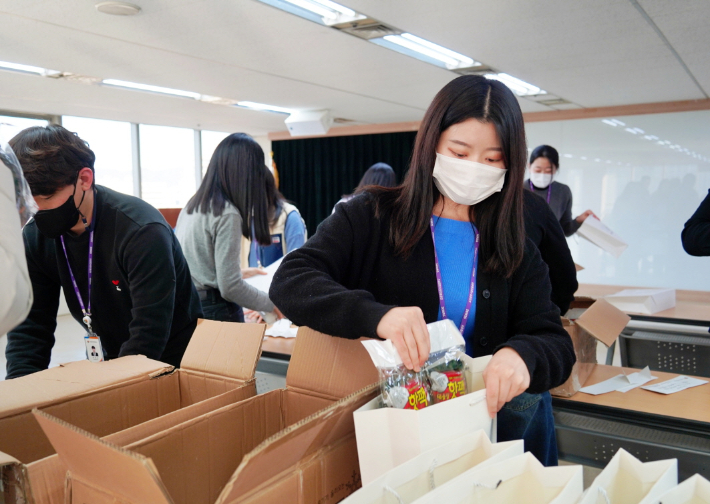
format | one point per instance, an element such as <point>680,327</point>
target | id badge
<point>94,351</point>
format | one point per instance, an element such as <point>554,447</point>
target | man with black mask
<point>124,276</point>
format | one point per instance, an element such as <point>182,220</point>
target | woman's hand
<point>506,377</point>
<point>252,316</point>
<point>406,329</point>
<point>250,272</point>
<point>581,218</point>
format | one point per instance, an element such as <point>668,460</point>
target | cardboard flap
<point>577,267</point>
<point>225,349</point>
<point>118,471</point>
<point>70,380</point>
<point>603,321</point>
<point>335,367</point>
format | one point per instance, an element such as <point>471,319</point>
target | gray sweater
<point>560,203</point>
<point>212,248</point>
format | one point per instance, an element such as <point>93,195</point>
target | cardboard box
<point>599,322</point>
<point>192,461</point>
<point>648,301</point>
<point>388,437</point>
<point>111,396</point>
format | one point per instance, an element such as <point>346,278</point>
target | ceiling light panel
<point>150,88</point>
<point>264,107</point>
<point>324,12</point>
<point>519,87</point>
<point>27,69</point>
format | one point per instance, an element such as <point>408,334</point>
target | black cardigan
<point>543,228</point>
<point>696,234</point>
<point>346,277</point>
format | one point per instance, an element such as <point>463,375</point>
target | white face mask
<point>541,180</point>
<point>466,182</point>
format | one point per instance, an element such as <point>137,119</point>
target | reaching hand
<point>506,377</point>
<point>250,272</point>
<point>406,329</point>
<point>581,218</point>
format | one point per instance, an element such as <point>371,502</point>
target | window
<point>644,176</point>
<point>210,141</point>
<point>11,126</point>
<point>167,165</point>
<point>111,143</point>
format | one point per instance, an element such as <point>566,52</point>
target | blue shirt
<point>294,235</point>
<point>454,248</point>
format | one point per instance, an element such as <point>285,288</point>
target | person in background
<point>286,227</point>
<point>16,206</point>
<point>544,165</point>
<point>379,174</point>
<point>391,260</point>
<point>212,224</point>
<point>124,276</point>
<point>544,230</point>
<point>696,233</point>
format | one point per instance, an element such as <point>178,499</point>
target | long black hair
<point>236,174</point>
<point>273,197</point>
<point>499,217</point>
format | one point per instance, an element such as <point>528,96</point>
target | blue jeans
<point>215,307</point>
<point>529,417</point>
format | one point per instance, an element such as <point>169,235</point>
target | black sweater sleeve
<point>696,234</point>
<point>29,345</point>
<point>539,337</point>
<point>569,225</point>
<point>148,260</point>
<point>321,272</point>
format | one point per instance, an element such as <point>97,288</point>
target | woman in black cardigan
<point>371,268</point>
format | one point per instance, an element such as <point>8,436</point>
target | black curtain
<point>315,173</point>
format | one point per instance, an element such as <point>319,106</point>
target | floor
<point>69,345</point>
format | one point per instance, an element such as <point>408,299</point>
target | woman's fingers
<point>406,329</point>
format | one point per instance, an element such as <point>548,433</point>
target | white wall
<point>643,190</point>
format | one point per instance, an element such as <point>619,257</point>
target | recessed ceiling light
<point>609,122</point>
<point>28,69</point>
<point>118,8</point>
<point>150,88</point>
<point>264,107</point>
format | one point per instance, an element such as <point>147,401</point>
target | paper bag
<point>694,490</point>
<point>627,480</point>
<point>388,437</point>
<point>413,479</point>
<point>593,230</point>
<point>521,479</point>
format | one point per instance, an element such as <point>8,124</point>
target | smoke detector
<point>118,8</point>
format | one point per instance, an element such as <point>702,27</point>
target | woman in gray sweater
<point>544,163</point>
<point>211,226</point>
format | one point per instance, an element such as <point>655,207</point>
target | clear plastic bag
<point>26,205</point>
<point>442,377</point>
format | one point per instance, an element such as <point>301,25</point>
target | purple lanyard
<point>86,311</point>
<point>549,190</point>
<point>440,285</point>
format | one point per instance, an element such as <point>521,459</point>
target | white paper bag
<point>647,301</point>
<point>388,437</point>
<point>518,480</point>
<point>413,479</point>
<point>627,480</point>
<point>694,490</point>
<point>593,230</point>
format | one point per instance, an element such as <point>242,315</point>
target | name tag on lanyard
<point>94,351</point>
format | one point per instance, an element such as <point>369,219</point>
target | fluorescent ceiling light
<point>460,58</point>
<point>150,88</point>
<point>609,122</point>
<point>422,49</point>
<point>631,130</point>
<point>619,122</point>
<point>264,107</point>
<point>519,87</point>
<point>568,155</point>
<point>326,11</point>
<point>29,69</point>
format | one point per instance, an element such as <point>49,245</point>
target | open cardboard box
<point>108,397</point>
<point>193,461</point>
<point>600,322</point>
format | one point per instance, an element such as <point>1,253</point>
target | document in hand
<point>601,236</point>
<point>521,479</point>
<point>627,480</point>
<point>263,282</point>
<point>431,469</point>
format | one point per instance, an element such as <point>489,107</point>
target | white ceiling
<point>590,52</point>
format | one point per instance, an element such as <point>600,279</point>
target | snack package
<point>442,377</point>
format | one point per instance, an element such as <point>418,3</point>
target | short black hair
<point>548,152</point>
<point>379,174</point>
<point>51,157</point>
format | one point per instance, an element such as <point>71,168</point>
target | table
<point>692,307</point>
<point>650,426</point>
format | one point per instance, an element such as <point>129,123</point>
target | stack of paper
<point>263,282</point>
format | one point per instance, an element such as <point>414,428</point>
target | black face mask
<point>57,221</point>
